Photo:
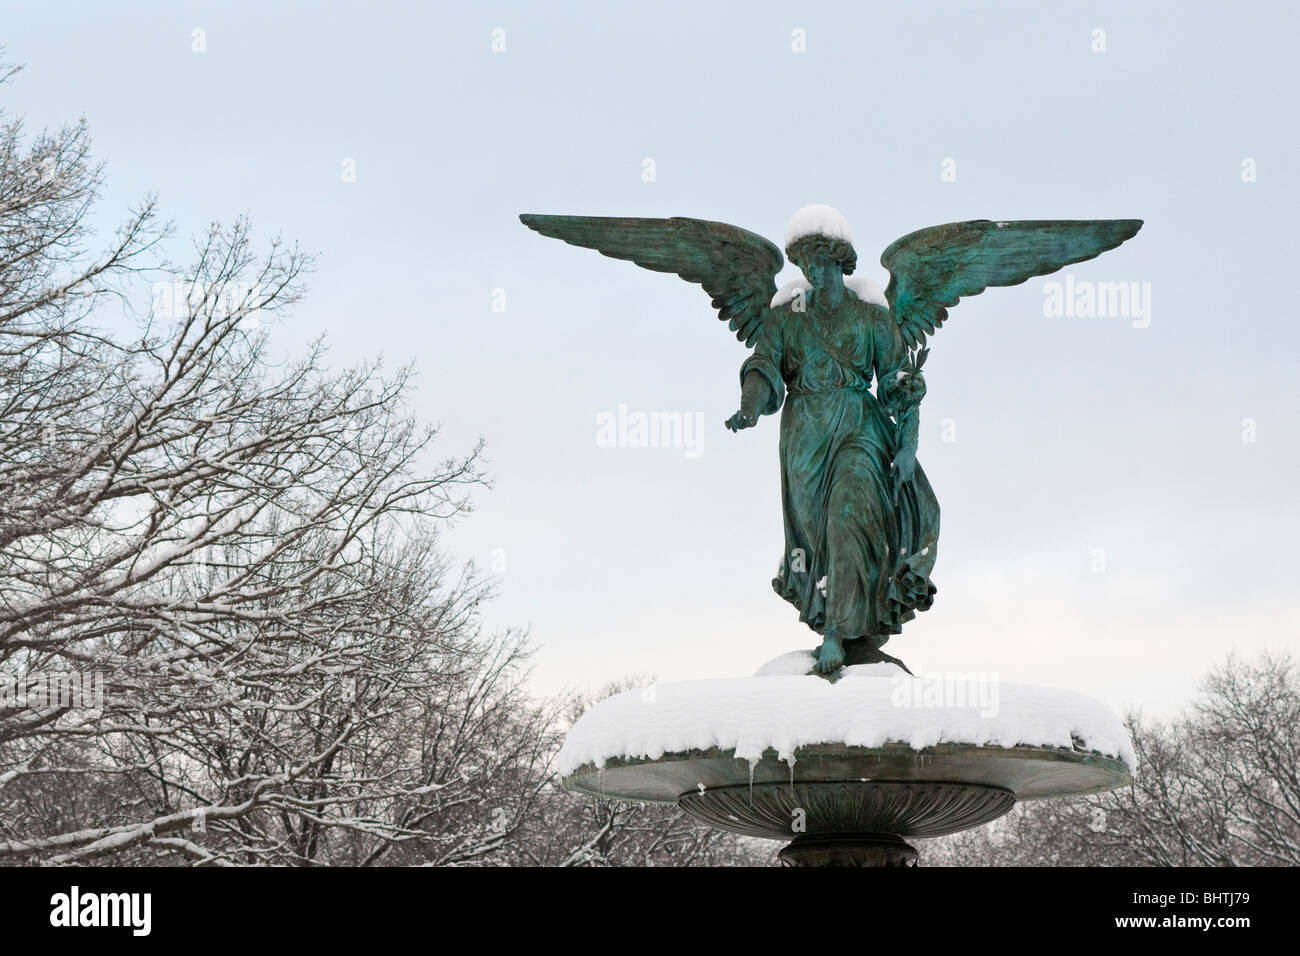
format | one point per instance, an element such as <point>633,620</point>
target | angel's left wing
<point>736,267</point>
<point>931,269</point>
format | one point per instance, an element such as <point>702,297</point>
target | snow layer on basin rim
<point>868,707</point>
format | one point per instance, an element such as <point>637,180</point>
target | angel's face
<point>822,272</point>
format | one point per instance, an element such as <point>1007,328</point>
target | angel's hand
<point>904,465</point>
<point>740,420</point>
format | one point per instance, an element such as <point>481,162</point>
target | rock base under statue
<point>843,770</point>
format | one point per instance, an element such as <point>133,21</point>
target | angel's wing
<point>931,269</point>
<point>735,266</point>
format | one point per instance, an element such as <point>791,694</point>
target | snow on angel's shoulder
<point>862,288</point>
<point>787,292</point>
<point>866,290</point>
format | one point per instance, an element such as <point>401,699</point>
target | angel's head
<point>818,241</point>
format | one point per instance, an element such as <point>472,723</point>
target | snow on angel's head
<point>820,229</point>
<point>818,220</point>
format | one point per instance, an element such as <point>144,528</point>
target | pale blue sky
<point>1071,434</point>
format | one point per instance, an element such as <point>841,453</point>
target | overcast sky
<point>1116,491</point>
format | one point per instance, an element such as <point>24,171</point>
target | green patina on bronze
<point>861,520</point>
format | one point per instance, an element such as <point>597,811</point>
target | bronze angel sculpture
<point>861,520</point>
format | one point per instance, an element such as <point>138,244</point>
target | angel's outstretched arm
<point>762,389</point>
<point>755,394</point>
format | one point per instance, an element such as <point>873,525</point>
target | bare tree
<point>1215,787</point>
<point>248,550</point>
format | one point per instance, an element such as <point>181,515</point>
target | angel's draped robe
<point>857,558</point>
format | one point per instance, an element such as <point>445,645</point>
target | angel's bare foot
<point>830,655</point>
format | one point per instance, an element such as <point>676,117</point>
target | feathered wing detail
<point>736,267</point>
<point>931,269</point>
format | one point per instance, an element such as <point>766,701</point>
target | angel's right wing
<point>736,267</point>
<point>931,269</point>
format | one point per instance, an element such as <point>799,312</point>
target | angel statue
<point>861,520</point>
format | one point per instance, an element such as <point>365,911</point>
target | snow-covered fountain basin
<point>845,769</point>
